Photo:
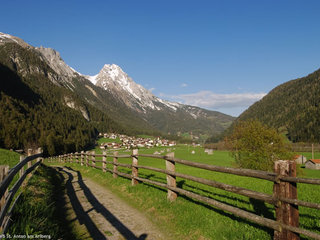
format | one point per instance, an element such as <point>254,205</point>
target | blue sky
<point>220,55</point>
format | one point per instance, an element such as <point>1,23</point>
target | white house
<point>300,159</point>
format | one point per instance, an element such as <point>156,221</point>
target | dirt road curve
<point>104,214</point>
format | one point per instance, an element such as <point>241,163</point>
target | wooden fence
<point>6,177</point>
<point>284,197</point>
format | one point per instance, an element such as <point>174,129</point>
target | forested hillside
<point>292,108</point>
<point>33,111</point>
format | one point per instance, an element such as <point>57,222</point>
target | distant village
<point>129,142</point>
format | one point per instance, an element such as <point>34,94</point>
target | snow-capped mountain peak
<point>113,79</point>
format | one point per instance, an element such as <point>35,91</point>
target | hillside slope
<point>292,107</point>
<point>36,112</point>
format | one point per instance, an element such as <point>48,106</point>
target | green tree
<point>256,146</point>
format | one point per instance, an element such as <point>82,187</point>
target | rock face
<point>52,57</point>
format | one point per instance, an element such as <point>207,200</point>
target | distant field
<point>308,155</point>
<point>107,140</point>
<point>193,220</point>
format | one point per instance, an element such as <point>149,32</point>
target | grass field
<point>189,219</point>
<point>107,140</point>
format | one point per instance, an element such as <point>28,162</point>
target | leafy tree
<point>256,146</point>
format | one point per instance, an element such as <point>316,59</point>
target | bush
<point>256,146</point>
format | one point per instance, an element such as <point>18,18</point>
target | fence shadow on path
<point>81,214</point>
<point>98,207</point>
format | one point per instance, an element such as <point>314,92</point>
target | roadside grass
<point>189,219</point>
<point>42,208</point>
<point>9,157</point>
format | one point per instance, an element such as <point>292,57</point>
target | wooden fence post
<point>134,167</point>
<point>4,169</point>
<point>71,157</point>
<point>286,213</point>
<point>93,158</point>
<point>115,167</point>
<point>29,154</point>
<point>21,171</point>
<point>87,158</point>
<point>77,157</point>
<point>171,180</point>
<point>82,158</point>
<point>40,159</point>
<point>104,161</point>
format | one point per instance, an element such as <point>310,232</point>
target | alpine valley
<point>44,102</point>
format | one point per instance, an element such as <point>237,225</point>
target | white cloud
<point>184,85</point>
<point>151,89</point>
<point>208,99</point>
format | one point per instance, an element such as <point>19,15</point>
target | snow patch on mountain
<point>92,79</point>
<point>6,36</point>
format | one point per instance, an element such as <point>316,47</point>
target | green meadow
<point>189,219</point>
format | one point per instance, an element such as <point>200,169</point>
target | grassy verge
<point>9,158</point>
<point>42,208</point>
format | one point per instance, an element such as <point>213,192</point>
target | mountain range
<point>46,102</point>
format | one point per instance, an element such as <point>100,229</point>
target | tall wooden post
<point>134,167</point>
<point>104,161</point>
<point>29,164</point>
<point>82,158</point>
<point>115,167</point>
<point>93,159</point>
<point>21,171</point>
<point>40,159</point>
<point>286,213</point>
<point>87,158</point>
<point>312,146</point>
<point>171,180</point>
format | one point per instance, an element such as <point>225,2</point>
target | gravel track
<point>105,215</point>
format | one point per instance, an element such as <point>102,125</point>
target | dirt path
<point>104,214</point>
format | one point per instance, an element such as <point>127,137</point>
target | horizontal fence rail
<point>8,195</point>
<point>284,197</point>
